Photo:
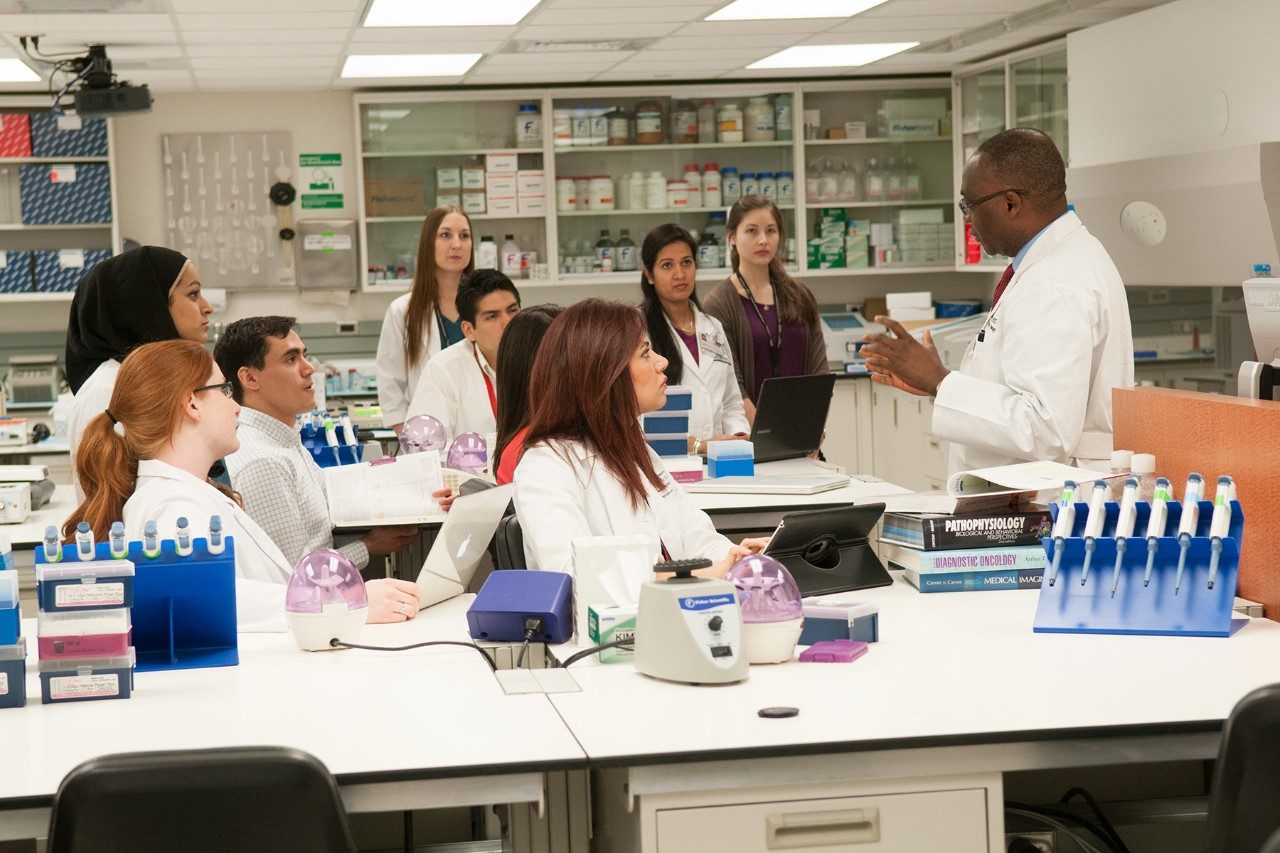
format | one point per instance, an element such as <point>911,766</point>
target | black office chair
<point>1244,806</point>
<point>200,801</point>
<point>509,544</point>
<point>1273,843</point>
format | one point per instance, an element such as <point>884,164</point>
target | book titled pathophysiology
<point>937,531</point>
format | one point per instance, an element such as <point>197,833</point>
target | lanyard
<point>488,385</point>
<point>775,346</point>
<point>445,340</point>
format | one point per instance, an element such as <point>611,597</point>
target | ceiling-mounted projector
<point>91,82</point>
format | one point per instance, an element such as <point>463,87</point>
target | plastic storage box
<point>65,194</point>
<point>67,136</point>
<point>69,680</point>
<point>831,618</point>
<point>668,422</point>
<point>16,274</point>
<point>60,270</point>
<point>684,469</point>
<point>668,444</point>
<point>13,674</point>
<point>730,459</point>
<point>86,634</point>
<point>10,611</point>
<point>74,585</point>
<point>679,399</point>
<point>15,135</point>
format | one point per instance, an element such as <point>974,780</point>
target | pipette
<point>348,431</point>
<point>119,549</point>
<point>330,437</point>
<point>84,541</point>
<point>1155,524</point>
<point>1124,527</point>
<point>52,545</point>
<point>1093,525</point>
<point>216,545</point>
<point>150,539</point>
<point>1187,524</point>
<point>1062,526</point>
<point>1219,524</point>
<point>182,538</point>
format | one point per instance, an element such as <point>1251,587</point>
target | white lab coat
<point>563,491</point>
<point>93,398</point>
<point>164,493</point>
<point>1038,384</point>
<point>396,379</point>
<point>717,400</point>
<point>453,391</point>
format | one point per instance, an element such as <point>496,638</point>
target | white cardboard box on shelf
<point>450,198</point>
<point>532,203</point>
<point>531,182</point>
<point>473,202</point>
<point>501,162</point>
<point>499,184</point>
<point>448,178</point>
<point>502,205</point>
<point>472,178</point>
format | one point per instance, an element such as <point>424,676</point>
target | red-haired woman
<point>425,320</point>
<point>586,470</point>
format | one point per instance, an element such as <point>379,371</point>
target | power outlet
<point>1026,842</point>
<point>346,328</point>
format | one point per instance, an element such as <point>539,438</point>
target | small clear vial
<point>1121,467</point>
<point>1144,468</point>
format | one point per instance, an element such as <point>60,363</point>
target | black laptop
<point>790,416</point>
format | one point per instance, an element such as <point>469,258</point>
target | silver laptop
<point>461,544</point>
<point>778,484</point>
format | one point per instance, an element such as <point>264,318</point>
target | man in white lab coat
<point>1035,383</point>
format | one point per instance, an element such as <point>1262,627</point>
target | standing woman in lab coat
<point>425,320</point>
<point>586,470</point>
<point>770,318</point>
<point>693,343</point>
<point>146,294</point>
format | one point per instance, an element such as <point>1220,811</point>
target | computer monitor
<point>1262,303</point>
<point>461,544</point>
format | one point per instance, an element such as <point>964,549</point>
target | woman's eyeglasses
<point>225,387</point>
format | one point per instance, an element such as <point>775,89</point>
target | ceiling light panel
<point>762,10</point>
<point>16,71</point>
<point>830,55</point>
<point>615,15</point>
<point>415,13</point>
<point>409,65</point>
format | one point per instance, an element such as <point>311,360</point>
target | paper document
<point>390,491</point>
<point>1024,476</point>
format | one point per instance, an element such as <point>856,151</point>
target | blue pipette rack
<point>328,457</point>
<point>1194,611</point>
<point>184,608</point>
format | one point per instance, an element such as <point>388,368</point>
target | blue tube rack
<point>1194,611</point>
<point>326,456</point>
<point>184,608</point>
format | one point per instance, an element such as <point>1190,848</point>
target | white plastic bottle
<point>636,191</point>
<point>707,121</point>
<point>730,185</point>
<point>711,196</point>
<point>729,122</point>
<point>510,257</point>
<point>528,126</point>
<point>487,254</point>
<point>783,121</point>
<point>655,191</point>
<point>875,182</point>
<point>693,178</point>
<point>759,120</point>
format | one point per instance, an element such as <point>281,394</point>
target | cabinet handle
<point>822,829</point>
<point>895,412</point>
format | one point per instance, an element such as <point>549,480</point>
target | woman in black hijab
<point>139,296</point>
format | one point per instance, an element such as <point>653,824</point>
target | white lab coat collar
<point>701,326</point>
<point>165,471</point>
<point>477,355</point>
<point>1045,242</point>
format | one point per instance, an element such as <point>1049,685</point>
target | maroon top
<point>690,340</point>
<point>795,344</point>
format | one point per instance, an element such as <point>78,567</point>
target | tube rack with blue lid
<point>63,680</point>
<point>734,458</point>
<point>75,584</point>
<point>325,455</point>
<point>1195,610</point>
<point>10,609</point>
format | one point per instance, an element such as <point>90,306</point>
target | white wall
<point>1149,84</point>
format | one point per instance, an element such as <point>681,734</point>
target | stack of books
<point>995,549</point>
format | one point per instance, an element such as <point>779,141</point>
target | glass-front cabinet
<point>1025,89</point>
<point>877,178</point>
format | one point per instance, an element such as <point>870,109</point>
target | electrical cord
<point>1097,813</point>
<point>1057,825</point>
<point>1066,816</point>
<point>585,653</point>
<point>532,625</point>
<point>338,644</point>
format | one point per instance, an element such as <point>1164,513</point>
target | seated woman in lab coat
<point>146,458</point>
<point>586,470</point>
<point>693,343</point>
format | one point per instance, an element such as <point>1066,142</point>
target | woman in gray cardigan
<point>771,319</point>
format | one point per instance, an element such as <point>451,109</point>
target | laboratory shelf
<point>669,146</point>
<point>837,272</point>
<point>83,226</point>
<point>450,152</point>
<point>877,140</point>
<point>51,160</point>
<point>474,217</point>
<point>663,211</point>
<point>924,202</point>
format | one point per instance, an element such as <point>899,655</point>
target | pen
<point>1187,525</point>
<point>119,550</point>
<point>1219,525</point>
<point>1155,525</point>
<point>182,540</point>
<point>216,545</point>
<point>150,539</point>
<point>1124,527</point>
<point>1062,526</point>
<point>84,541</point>
<point>52,545</point>
<point>1093,525</point>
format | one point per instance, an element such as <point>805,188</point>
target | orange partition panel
<point>1213,434</point>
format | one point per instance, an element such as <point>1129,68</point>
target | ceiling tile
<point>700,43</point>
<point>563,32</point>
<point>298,7</point>
<point>435,38</point>
<point>368,45</point>
<point>297,36</point>
<point>99,24</point>
<point>733,29</point>
<point>566,59</point>
<point>699,9</point>
<point>262,21</point>
<point>626,14</point>
<point>205,63</point>
<point>214,51</point>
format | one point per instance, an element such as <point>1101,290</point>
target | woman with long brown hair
<point>425,320</point>
<point>770,318</point>
<point>586,470</point>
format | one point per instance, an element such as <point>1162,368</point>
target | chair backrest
<point>1244,810</point>
<point>509,545</point>
<point>200,801</point>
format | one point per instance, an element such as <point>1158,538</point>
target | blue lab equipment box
<point>50,197</point>
<point>53,135</point>
<point>63,680</point>
<point>679,399</point>
<point>668,443</point>
<point>60,270</point>
<point>668,422</point>
<point>15,275</point>
<point>10,624</point>
<point>13,674</point>
<point>83,585</point>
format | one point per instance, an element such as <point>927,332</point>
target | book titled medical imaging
<point>938,531</point>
